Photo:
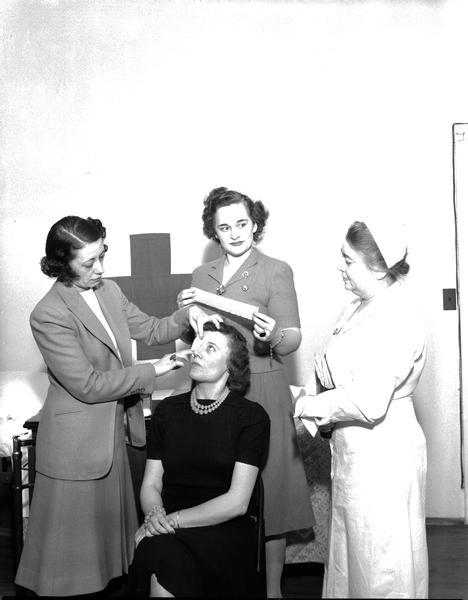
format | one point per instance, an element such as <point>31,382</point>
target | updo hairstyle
<point>238,360</point>
<point>64,238</point>
<point>362,241</point>
<point>223,197</point>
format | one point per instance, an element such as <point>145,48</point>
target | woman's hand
<point>158,524</point>
<point>264,328</point>
<point>198,317</point>
<point>171,361</point>
<point>186,297</point>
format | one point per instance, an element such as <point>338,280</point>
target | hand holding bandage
<point>310,407</point>
<point>303,396</point>
<point>301,400</point>
<point>264,327</point>
<point>234,307</point>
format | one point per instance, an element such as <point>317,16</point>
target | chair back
<point>18,467</point>
<point>256,512</point>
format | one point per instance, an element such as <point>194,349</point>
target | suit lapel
<point>112,309</point>
<point>72,298</point>
<point>253,259</point>
<point>216,269</point>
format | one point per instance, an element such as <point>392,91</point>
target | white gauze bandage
<point>234,307</point>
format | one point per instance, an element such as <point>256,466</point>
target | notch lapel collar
<point>112,309</point>
<point>216,270</point>
<point>72,298</point>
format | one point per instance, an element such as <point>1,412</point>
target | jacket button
<point>245,274</point>
<point>245,288</point>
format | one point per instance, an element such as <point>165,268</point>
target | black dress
<point>198,453</point>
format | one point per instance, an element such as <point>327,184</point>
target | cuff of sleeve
<point>149,371</point>
<point>249,457</point>
<point>312,406</point>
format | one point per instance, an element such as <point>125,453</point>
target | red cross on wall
<point>151,285</point>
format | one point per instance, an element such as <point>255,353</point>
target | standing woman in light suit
<point>83,514</point>
<point>242,273</point>
<point>372,365</point>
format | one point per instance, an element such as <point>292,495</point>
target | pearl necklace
<point>202,409</point>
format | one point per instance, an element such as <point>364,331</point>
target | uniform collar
<point>384,300</point>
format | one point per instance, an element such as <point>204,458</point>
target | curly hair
<point>362,241</point>
<point>64,238</point>
<point>223,197</point>
<point>238,360</point>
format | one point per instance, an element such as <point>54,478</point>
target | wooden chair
<point>22,448</point>
<point>256,512</point>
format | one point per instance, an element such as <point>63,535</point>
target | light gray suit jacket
<point>75,438</point>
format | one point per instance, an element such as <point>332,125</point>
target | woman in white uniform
<point>373,362</point>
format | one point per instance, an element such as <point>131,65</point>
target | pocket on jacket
<point>67,412</point>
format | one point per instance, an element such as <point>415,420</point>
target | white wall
<point>133,111</point>
<point>460,138</point>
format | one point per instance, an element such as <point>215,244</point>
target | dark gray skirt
<point>287,496</point>
<point>80,533</point>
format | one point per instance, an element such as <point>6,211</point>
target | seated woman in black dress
<point>205,449</point>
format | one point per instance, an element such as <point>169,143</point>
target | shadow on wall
<point>211,252</point>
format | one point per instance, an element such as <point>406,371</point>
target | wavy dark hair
<point>63,240</point>
<point>238,360</point>
<point>223,197</point>
<point>362,241</point>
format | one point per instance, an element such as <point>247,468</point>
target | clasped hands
<point>156,523</point>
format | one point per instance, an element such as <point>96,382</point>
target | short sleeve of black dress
<point>254,434</point>
<point>155,441</point>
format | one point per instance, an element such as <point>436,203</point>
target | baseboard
<point>444,521</point>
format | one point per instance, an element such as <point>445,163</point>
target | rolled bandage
<point>234,307</point>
